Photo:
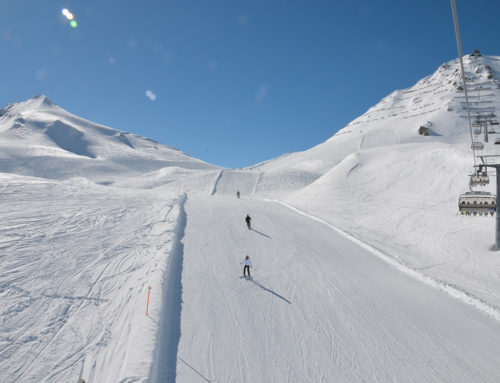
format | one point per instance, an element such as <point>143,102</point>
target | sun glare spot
<point>66,13</point>
<point>70,17</point>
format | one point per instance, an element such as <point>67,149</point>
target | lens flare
<point>66,13</point>
<point>70,17</point>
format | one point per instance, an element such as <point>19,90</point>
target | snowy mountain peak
<point>37,103</point>
<point>42,100</point>
<point>429,114</point>
<point>477,69</point>
<point>436,100</point>
<point>43,140</point>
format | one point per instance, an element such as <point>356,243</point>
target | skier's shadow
<point>258,232</point>
<point>269,290</point>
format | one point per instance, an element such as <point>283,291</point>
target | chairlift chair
<point>479,179</point>
<point>478,145</point>
<point>477,202</point>
<point>497,141</point>
<point>477,131</point>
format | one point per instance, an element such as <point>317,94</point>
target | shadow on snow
<point>258,232</point>
<point>269,290</point>
<point>195,370</point>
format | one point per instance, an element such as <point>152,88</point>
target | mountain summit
<point>37,103</point>
<point>38,138</point>
<point>435,105</point>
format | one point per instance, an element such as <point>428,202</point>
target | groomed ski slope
<point>76,261</point>
<point>320,308</point>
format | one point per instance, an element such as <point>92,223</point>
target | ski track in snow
<point>216,182</point>
<point>467,298</point>
<point>73,280</point>
<point>321,308</point>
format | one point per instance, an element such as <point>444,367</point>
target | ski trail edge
<point>214,189</point>
<point>455,292</point>
<point>165,359</point>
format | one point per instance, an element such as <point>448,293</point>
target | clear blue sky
<point>236,82</point>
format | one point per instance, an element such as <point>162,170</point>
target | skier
<point>248,264</point>
<point>238,194</point>
<point>248,219</point>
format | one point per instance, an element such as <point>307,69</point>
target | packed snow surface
<point>363,270</point>
<point>76,264</point>
<point>319,308</point>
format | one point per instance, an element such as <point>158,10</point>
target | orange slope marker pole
<point>147,305</point>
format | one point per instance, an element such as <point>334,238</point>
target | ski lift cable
<point>459,45</point>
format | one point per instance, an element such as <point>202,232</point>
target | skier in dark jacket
<point>248,219</point>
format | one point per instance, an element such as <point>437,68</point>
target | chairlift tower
<point>484,121</point>
<point>485,130</point>
<point>496,166</point>
<point>482,203</point>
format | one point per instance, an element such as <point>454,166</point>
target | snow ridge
<point>165,360</point>
<point>214,189</point>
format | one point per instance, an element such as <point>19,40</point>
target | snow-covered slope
<point>320,308</point>
<point>40,139</point>
<point>390,186</point>
<point>398,190</point>
<point>435,102</point>
<point>76,263</point>
<point>395,188</point>
<point>95,216</point>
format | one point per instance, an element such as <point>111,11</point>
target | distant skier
<point>248,219</point>
<point>248,264</point>
<point>238,194</point>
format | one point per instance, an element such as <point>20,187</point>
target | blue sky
<point>231,82</point>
